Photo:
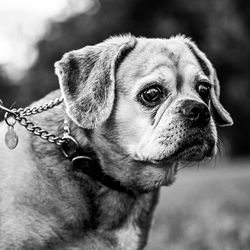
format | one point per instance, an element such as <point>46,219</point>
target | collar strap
<point>93,169</point>
<point>84,162</point>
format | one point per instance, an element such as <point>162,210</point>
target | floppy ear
<point>87,79</point>
<point>221,116</point>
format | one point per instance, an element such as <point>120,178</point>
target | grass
<point>205,209</point>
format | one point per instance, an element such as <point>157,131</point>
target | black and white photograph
<point>124,125</point>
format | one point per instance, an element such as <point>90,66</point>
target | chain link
<point>19,115</point>
<point>35,110</point>
<point>38,131</point>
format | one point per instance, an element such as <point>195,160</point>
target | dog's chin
<point>187,153</point>
<point>194,153</point>
<point>194,150</point>
<point>168,166</point>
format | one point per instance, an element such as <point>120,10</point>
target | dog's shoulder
<point>39,198</point>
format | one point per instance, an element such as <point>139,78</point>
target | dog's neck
<point>85,160</point>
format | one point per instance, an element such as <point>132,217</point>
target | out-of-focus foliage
<point>220,28</point>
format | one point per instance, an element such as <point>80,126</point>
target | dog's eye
<point>151,96</point>
<point>204,90</point>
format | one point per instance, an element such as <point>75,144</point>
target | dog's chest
<point>127,220</point>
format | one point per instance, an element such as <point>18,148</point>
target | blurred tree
<point>220,28</point>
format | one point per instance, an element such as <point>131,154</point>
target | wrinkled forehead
<point>157,60</point>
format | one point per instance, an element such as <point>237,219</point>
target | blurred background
<point>208,207</point>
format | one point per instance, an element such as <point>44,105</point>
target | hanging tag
<point>11,138</point>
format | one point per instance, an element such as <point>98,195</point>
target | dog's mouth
<point>188,151</point>
<point>193,150</point>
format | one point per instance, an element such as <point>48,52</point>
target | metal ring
<point>69,147</point>
<point>7,117</point>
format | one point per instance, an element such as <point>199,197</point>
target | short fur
<point>45,204</point>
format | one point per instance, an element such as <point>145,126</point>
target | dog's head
<point>145,104</point>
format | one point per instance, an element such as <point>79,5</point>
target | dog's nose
<point>196,112</point>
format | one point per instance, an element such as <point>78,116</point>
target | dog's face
<point>147,104</point>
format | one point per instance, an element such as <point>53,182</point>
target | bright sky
<point>23,23</point>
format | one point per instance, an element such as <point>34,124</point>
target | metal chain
<point>38,131</point>
<point>19,115</point>
<point>34,110</point>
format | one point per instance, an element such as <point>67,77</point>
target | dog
<point>140,107</point>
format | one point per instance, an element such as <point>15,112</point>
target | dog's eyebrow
<point>201,78</point>
<point>202,63</point>
<point>149,81</point>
